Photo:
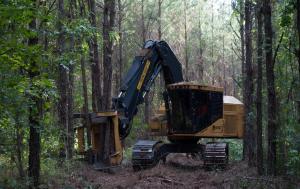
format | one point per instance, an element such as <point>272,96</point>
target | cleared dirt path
<point>178,172</point>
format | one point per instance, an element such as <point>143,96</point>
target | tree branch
<point>237,35</point>
<point>277,48</point>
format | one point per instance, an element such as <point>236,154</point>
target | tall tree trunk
<point>212,42</point>
<point>298,55</point>
<point>242,34</point>
<point>120,62</point>
<point>248,87</point>
<point>185,43</point>
<point>19,146</point>
<point>259,59</point>
<point>34,116</point>
<point>159,31</point>
<point>108,23</point>
<point>84,85</point>
<point>62,82</point>
<point>272,107</point>
<point>234,91</point>
<point>95,63</point>
<point>69,129</point>
<point>159,19</point>
<point>224,66</point>
<point>201,69</point>
<point>97,97</point>
<point>86,100</point>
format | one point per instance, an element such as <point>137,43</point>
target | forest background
<point>59,57</point>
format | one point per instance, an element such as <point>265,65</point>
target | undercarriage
<point>147,153</point>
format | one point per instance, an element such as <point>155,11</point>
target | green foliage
<point>208,24</point>
<point>138,131</point>
<point>114,36</point>
<point>235,149</point>
<point>293,163</point>
<point>127,154</point>
<point>8,178</point>
<point>287,10</point>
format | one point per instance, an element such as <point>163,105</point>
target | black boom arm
<point>155,56</point>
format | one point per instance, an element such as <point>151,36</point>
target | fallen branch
<point>165,180</point>
<point>169,181</point>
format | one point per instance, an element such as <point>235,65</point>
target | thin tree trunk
<point>69,129</point>
<point>86,101</point>
<point>233,78</point>
<point>298,55</point>
<point>248,87</point>
<point>242,34</point>
<point>212,43</point>
<point>84,85</point>
<point>272,107</point>
<point>34,116</point>
<point>62,82</point>
<point>224,67</point>
<point>120,63</point>
<point>185,44</point>
<point>19,146</point>
<point>161,77</point>
<point>159,19</point>
<point>259,59</point>
<point>201,69</point>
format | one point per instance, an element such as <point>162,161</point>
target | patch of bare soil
<point>179,172</point>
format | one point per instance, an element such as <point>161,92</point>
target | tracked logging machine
<point>190,112</point>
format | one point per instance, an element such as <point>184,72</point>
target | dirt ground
<point>178,172</point>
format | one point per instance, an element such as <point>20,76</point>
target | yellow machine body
<point>231,125</point>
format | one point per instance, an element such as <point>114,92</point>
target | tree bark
<point>120,62</point>
<point>298,55</point>
<point>94,58</point>
<point>69,129</point>
<point>259,59</point>
<point>84,86</point>
<point>19,146</point>
<point>201,69</point>
<point>159,31</point>
<point>272,107</point>
<point>34,116</point>
<point>242,34</point>
<point>224,66</point>
<point>63,85</point>
<point>212,43</point>
<point>185,43</point>
<point>159,19</point>
<point>86,101</point>
<point>108,23</point>
<point>248,87</point>
<point>234,91</point>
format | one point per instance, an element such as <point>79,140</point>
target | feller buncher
<point>190,112</point>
